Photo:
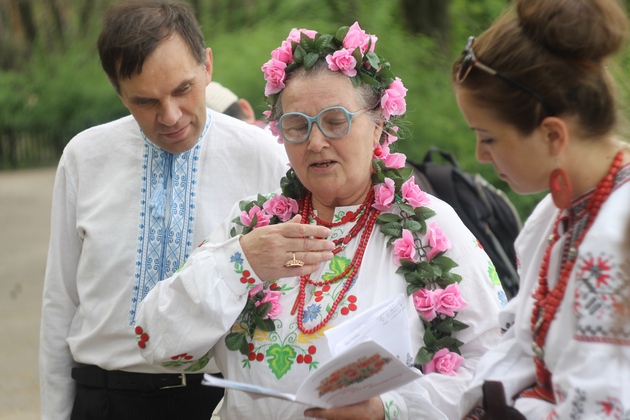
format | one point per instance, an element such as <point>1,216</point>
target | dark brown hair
<point>132,30</point>
<point>557,48</point>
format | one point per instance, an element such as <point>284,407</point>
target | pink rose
<point>255,211</point>
<point>381,151</point>
<point>284,52</point>
<point>413,194</point>
<point>342,60</point>
<point>393,100</point>
<point>274,75</point>
<point>384,195</point>
<point>424,302</point>
<point>449,300</point>
<point>254,290</point>
<point>274,298</point>
<point>404,247</point>
<point>294,35</point>
<point>356,37</point>
<point>391,138</point>
<point>281,206</point>
<point>437,240</point>
<point>395,160</point>
<point>444,362</point>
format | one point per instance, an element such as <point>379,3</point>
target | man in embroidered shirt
<point>132,199</point>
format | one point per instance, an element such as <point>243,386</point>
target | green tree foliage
<point>52,86</point>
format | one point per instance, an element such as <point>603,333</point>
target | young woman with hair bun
<point>536,91</point>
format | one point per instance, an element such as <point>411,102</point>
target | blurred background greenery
<point>52,86</point>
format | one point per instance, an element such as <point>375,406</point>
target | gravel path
<point>25,198</point>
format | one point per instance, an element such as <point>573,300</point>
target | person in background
<point>221,99</point>
<point>327,246</point>
<point>536,90</point>
<point>132,199</point>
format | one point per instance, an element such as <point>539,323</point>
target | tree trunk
<point>427,17</point>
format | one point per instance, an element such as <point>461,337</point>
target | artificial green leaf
<point>423,357</point>
<point>280,359</point>
<point>445,263</point>
<point>298,54</point>
<point>406,208</point>
<point>458,325</point>
<point>412,225</point>
<point>310,60</point>
<point>323,41</point>
<point>234,340</point>
<point>392,229</point>
<point>265,324</point>
<point>232,231</point>
<point>263,309</point>
<point>342,32</point>
<point>412,288</point>
<point>388,217</point>
<point>429,338</point>
<point>368,79</point>
<point>373,59</point>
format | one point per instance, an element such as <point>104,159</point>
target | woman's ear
<point>556,134</point>
<point>378,132</point>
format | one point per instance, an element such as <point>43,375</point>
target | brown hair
<point>132,30</point>
<point>557,48</point>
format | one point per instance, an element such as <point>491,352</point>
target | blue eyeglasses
<point>333,122</point>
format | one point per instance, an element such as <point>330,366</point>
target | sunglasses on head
<point>469,60</point>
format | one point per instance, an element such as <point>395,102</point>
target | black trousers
<point>192,402</point>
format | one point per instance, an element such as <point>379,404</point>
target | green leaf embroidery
<point>280,359</point>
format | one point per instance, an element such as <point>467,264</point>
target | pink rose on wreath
<point>449,300</point>
<point>254,290</point>
<point>294,35</point>
<point>384,195</point>
<point>391,138</point>
<point>413,194</point>
<point>381,151</point>
<point>404,247</point>
<point>262,217</point>
<point>393,100</point>
<point>281,206</point>
<point>395,160</point>
<point>284,52</point>
<point>274,75</point>
<point>342,60</point>
<point>356,37</point>
<point>445,362</point>
<point>437,240</point>
<point>274,298</point>
<point>424,302</point>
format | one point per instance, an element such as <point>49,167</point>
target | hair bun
<point>578,29</point>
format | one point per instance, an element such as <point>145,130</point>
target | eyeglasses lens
<point>333,123</point>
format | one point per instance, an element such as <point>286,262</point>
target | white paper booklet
<point>370,357</point>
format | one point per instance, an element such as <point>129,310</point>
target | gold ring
<point>293,263</point>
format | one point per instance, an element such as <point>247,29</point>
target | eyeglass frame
<point>310,120</point>
<point>469,56</point>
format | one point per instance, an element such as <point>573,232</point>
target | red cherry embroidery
<point>141,337</point>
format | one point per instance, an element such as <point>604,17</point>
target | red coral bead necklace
<point>365,223</point>
<point>547,301</point>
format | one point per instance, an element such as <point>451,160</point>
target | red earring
<point>560,188</point>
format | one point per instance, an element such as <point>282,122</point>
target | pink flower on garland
<point>424,302</point>
<point>262,218</point>
<point>284,52</point>
<point>274,75</point>
<point>254,290</point>
<point>274,298</point>
<point>437,240</point>
<point>356,37</point>
<point>342,60</point>
<point>449,300</point>
<point>445,362</point>
<point>404,247</point>
<point>413,194</point>
<point>281,206</point>
<point>384,195</point>
<point>294,35</point>
<point>395,160</point>
<point>393,100</point>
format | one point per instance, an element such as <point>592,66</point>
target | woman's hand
<point>371,409</point>
<point>268,248</point>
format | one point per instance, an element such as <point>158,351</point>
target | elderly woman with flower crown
<point>348,229</point>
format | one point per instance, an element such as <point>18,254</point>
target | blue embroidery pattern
<point>164,240</point>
